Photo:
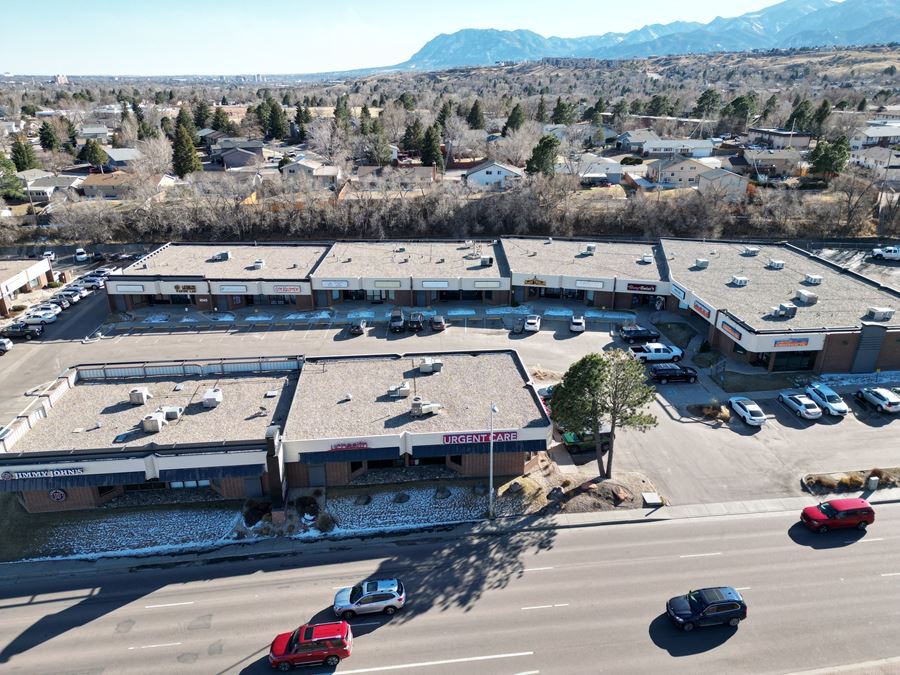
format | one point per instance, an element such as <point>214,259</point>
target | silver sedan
<point>801,404</point>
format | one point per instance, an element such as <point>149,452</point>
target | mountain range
<point>789,24</point>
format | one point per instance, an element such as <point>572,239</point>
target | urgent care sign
<point>484,437</point>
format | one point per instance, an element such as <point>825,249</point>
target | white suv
<point>828,399</point>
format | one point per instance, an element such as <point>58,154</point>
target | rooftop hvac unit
<point>739,281</point>
<point>701,263</point>
<point>751,250</point>
<point>486,261</point>
<point>813,279</point>
<point>776,264</point>
<point>591,249</point>
<point>399,390</point>
<point>549,240</point>
<point>420,408</point>
<point>154,422</point>
<point>224,255</point>
<point>400,249</point>
<point>172,412</point>
<point>430,364</point>
<point>212,397</point>
<point>775,311</point>
<point>647,258</point>
<point>881,313</point>
<point>788,309</point>
<point>259,263</point>
<point>807,297</point>
<point>440,260</point>
<point>139,396</point>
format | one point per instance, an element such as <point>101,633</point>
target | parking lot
<point>689,460</point>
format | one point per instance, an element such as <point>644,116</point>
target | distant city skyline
<point>226,37</point>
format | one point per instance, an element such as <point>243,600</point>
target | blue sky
<point>170,37</point>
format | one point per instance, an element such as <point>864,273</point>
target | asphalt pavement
<point>581,600</point>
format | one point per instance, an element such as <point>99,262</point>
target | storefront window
<point>356,466</point>
<point>455,459</point>
<point>785,361</point>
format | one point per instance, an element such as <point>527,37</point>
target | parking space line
<point>536,569</point>
<point>164,644</point>
<point>891,574</point>
<point>445,662</point>
<point>699,555</point>
<point>860,541</point>
<point>169,604</point>
<point>742,588</point>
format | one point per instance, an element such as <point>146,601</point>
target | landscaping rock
<point>401,498</point>
<point>442,492</point>
<point>362,500</point>
<point>514,488</point>
<point>556,494</point>
<point>480,490</point>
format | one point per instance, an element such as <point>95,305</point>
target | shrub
<point>631,161</point>
<point>19,308</point>
<point>825,482</point>
<point>851,482</point>
<point>324,522</point>
<point>54,284</point>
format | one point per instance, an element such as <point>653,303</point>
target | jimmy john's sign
<point>42,473</point>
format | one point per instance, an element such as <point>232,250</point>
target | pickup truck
<point>886,253</point>
<point>655,351</point>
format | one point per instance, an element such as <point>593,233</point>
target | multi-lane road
<point>584,600</point>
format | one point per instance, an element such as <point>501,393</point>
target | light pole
<point>494,411</point>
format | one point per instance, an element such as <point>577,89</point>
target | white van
<point>80,255</point>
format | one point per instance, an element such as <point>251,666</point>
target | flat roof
<point>10,268</point>
<point>466,387</point>
<point>92,414</point>
<point>393,259</point>
<point>282,261</point>
<point>843,299</point>
<point>565,257</point>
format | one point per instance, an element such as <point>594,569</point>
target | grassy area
<point>679,333</point>
<point>736,382</point>
<point>706,359</point>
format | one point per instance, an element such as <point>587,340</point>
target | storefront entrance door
<point>317,475</point>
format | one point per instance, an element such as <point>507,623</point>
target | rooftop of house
<point>32,174</point>
<point>123,154</point>
<point>681,143</point>
<point>94,129</point>
<point>569,258</point>
<point>57,182</point>
<point>718,174</point>
<point>392,259</point>
<point>10,268</point>
<point>489,163</point>
<point>466,387</point>
<point>113,179</point>
<point>843,300</point>
<point>640,135</point>
<point>773,131</point>
<point>282,261</point>
<point>786,154</point>
<point>99,415</point>
<point>879,131</point>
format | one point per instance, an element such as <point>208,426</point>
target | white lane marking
<point>865,666</point>
<point>370,623</point>
<point>891,574</point>
<point>742,588</point>
<point>699,555</point>
<point>169,604</point>
<point>164,644</point>
<point>536,569</point>
<point>423,664</point>
<point>338,588</point>
<point>861,541</point>
<point>529,672</point>
<point>565,604</point>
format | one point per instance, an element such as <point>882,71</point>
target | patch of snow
<point>309,316</point>
<point>361,314</point>
<point>505,311</point>
<point>609,316</point>
<point>188,319</point>
<point>219,316</point>
<point>883,378</point>
<point>558,311</point>
<point>159,317</point>
<point>460,312</point>
<point>260,317</point>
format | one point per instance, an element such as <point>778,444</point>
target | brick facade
<point>38,501</point>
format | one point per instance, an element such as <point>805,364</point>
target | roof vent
<point>420,407</point>
<point>549,240</point>
<point>440,260</point>
<point>154,422</point>
<point>647,258</point>
<point>212,397</point>
<point>751,251</point>
<point>224,255</point>
<point>400,249</point>
<point>430,364</point>
<point>739,281</point>
<point>813,279</point>
<point>139,396</point>
<point>880,313</point>
<point>259,263</point>
<point>788,309</point>
<point>776,264</point>
<point>591,249</point>
<point>487,261</point>
<point>172,412</point>
<point>775,311</point>
<point>807,297</point>
<point>701,263</point>
<point>401,390</point>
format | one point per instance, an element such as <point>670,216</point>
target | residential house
<point>766,163</point>
<point>406,177</point>
<point>634,140</point>
<point>318,171</point>
<point>885,162</point>
<point>43,188</point>
<point>211,138</point>
<point>236,158</point>
<point>121,159</point>
<point>94,132</point>
<point>679,172</point>
<point>30,175</point>
<point>594,169</point>
<point>493,175</point>
<point>884,133</point>
<point>685,147</point>
<point>116,185</point>
<point>9,127</point>
<point>887,112</point>
<point>721,183</point>
<point>224,144</point>
<point>778,138</point>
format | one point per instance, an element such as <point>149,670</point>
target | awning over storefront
<point>211,472</point>
<point>358,455</point>
<point>83,480</point>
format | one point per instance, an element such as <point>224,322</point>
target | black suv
<point>672,372</point>
<point>397,324</point>
<point>707,607</point>
<point>633,334</point>
<point>357,327</point>
<point>416,321</point>
<point>21,331</point>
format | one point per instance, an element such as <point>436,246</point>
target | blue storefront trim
<point>212,472</point>
<point>349,455</point>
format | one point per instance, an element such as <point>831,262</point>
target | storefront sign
<point>642,288</point>
<point>486,284</point>
<point>232,288</point>
<point>732,331</point>
<point>485,437</point>
<point>790,343</point>
<point>128,288</point>
<point>41,473</point>
<point>286,289</point>
<point>186,288</point>
<point>678,292</point>
<point>701,309</point>
<point>388,284</point>
<point>57,495</point>
<point>534,281</point>
<point>435,284</point>
<point>334,283</point>
<point>585,283</point>
<point>354,445</point>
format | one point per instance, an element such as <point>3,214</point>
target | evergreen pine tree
<point>562,112</point>
<point>365,120</point>
<point>48,137</point>
<point>541,114</point>
<point>93,154</point>
<point>184,155</point>
<point>278,122</point>
<point>185,120</point>
<point>263,116</point>
<point>515,120</point>
<point>10,185</point>
<point>475,118</point>
<point>822,113</point>
<point>543,157</point>
<point>444,113</point>
<point>202,114</point>
<point>431,148</point>
<point>863,105</point>
<point>219,120</point>
<point>23,155</point>
<point>413,137</point>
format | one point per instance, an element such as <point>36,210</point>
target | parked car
<point>584,442</point>
<point>672,372</point>
<point>397,322</point>
<point>325,643</point>
<point>93,283</point>
<point>80,255</point>
<point>39,318</point>
<point>886,253</point>
<point>20,330</point>
<point>577,324</point>
<point>801,405</point>
<point>369,597</point>
<point>518,325</point>
<point>5,345</point>
<point>60,301</point>
<point>883,400</point>
<point>76,287</point>
<point>73,295</point>
<point>49,255</point>
<point>635,334</point>
<point>357,327</point>
<point>416,321</point>
<point>707,607</point>
<point>656,351</point>
<point>827,399</point>
<point>105,271</point>
<point>532,323</point>
<point>438,323</point>
<point>748,410</point>
<point>46,307</point>
<point>838,514</point>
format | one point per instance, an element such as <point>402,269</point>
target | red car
<point>326,643</point>
<point>838,513</point>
